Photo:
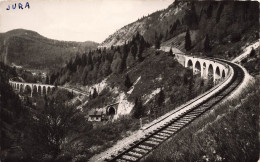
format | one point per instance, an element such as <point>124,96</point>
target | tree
<point>209,11</point>
<point>123,62</point>
<point>170,52</point>
<point>95,94</point>
<point>207,44</point>
<point>252,53</point>
<point>161,98</point>
<point>47,81</point>
<point>219,11</point>
<point>140,52</point>
<point>138,109</point>
<point>51,126</point>
<point>128,82</point>
<point>134,50</point>
<point>157,41</point>
<point>190,88</point>
<point>187,40</point>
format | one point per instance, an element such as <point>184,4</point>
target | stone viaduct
<point>207,68</point>
<point>39,88</point>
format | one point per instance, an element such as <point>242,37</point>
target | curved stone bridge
<point>41,88</point>
<point>207,68</point>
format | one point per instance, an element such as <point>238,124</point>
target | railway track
<point>140,149</point>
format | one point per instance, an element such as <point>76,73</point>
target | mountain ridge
<point>32,50</point>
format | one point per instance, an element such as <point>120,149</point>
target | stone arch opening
<point>27,90</point>
<point>189,64</point>
<point>204,66</point>
<point>217,71</point>
<point>49,90</point>
<point>217,75</point>
<point>18,87</point>
<point>34,90</point>
<point>210,72</point>
<point>223,74</point>
<point>44,90</point>
<point>111,111</point>
<point>210,76</point>
<point>197,69</point>
<point>39,89</point>
<point>21,88</point>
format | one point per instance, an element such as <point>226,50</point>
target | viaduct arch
<point>41,88</point>
<point>205,67</point>
<point>32,87</point>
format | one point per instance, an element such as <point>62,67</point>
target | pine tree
<point>95,94</point>
<point>209,11</point>
<point>187,40</point>
<point>128,82</point>
<point>134,50</point>
<point>170,52</point>
<point>140,51</point>
<point>138,109</point>
<point>252,53</point>
<point>206,44</point>
<point>194,16</point>
<point>220,9</point>
<point>161,98</point>
<point>190,88</point>
<point>47,81</point>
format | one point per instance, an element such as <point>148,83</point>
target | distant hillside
<point>228,26</point>
<point>30,49</point>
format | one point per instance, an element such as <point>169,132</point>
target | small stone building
<point>101,114</point>
<point>96,115</point>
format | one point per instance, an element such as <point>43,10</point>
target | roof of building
<point>112,104</point>
<point>95,113</point>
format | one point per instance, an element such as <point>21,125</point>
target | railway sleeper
<point>121,160</point>
<point>144,147</point>
<point>161,137</point>
<point>151,143</point>
<point>183,120</point>
<point>128,158</point>
<point>134,154</point>
<point>140,151</point>
<point>172,129</point>
<point>173,126</point>
<point>178,124</point>
<point>188,118</point>
<point>156,139</point>
<point>196,112</point>
<point>164,134</point>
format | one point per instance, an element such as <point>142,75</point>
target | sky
<point>76,20</point>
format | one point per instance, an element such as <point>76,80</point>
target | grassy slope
<point>156,71</point>
<point>105,134</point>
<point>227,133</point>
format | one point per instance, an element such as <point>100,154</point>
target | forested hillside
<point>10,108</point>
<point>31,50</point>
<point>93,66</point>
<point>218,28</point>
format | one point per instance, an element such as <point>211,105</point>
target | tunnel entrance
<point>111,111</point>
